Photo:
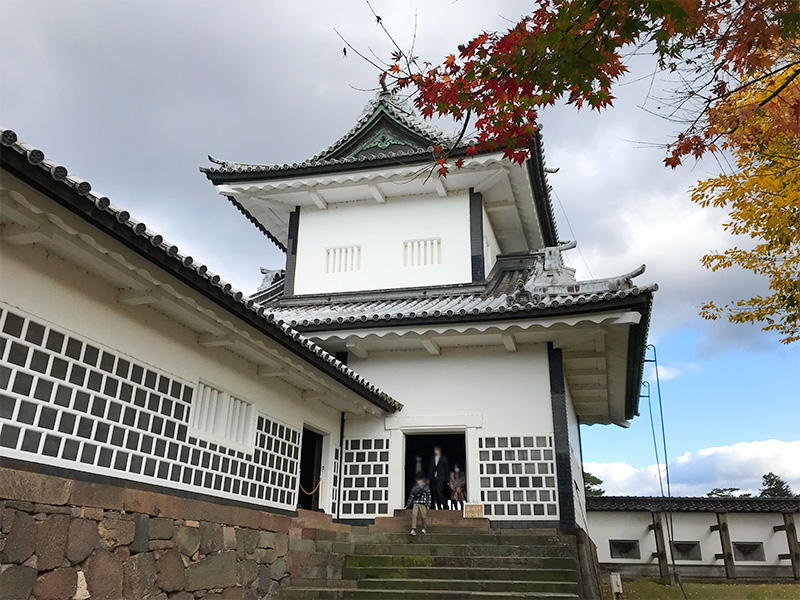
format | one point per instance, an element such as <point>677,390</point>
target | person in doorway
<point>439,476</point>
<point>458,487</point>
<point>418,501</point>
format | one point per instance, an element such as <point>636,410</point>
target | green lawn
<point>645,589</point>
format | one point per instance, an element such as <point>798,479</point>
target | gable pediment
<point>380,135</point>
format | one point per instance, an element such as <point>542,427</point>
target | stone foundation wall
<point>63,539</point>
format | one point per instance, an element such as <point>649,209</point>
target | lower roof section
<point>689,504</point>
<point>600,325</point>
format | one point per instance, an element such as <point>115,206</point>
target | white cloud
<point>696,473</point>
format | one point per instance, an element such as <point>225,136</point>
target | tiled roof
<point>394,106</point>
<point>688,504</point>
<point>500,294</point>
<point>100,209</point>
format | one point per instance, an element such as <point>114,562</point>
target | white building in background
<point>452,295</point>
<point>718,538</point>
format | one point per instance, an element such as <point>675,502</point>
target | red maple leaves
<point>572,50</point>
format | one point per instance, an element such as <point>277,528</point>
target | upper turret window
<point>422,253</point>
<point>343,259</point>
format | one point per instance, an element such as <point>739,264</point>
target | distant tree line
<point>772,486</point>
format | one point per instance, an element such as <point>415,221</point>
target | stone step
<point>424,549</point>
<point>484,537</point>
<point>322,593</point>
<point>532,562</point>
<point>462,574</point>
<point>472,585</point>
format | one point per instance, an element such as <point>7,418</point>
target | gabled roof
<point>388,128</point>
<point>388,140</point>
<point>53,180</point>
<point>689,504</point>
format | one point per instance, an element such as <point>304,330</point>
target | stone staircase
<point>458,559</point>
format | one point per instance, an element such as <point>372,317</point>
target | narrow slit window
<point>422,253</point>
<point>344,259</point>
<point>222,416</point>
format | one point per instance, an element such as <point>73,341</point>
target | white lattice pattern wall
<point>70,402</point>
<point>365,484</point>
<point>518,477</point>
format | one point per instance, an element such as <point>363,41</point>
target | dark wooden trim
<point>291,252</point>
<point>661,547</point>
<point>476,235</point>
<point>790,528</point>
<point>256,222</point>
<point>558,401</point>
<point>725,544</point>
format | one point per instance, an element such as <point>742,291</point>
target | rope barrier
<point>314,491</point>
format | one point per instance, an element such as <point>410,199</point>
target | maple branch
<point>782,87</point>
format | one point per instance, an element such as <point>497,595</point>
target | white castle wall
<point>379,231</point>
<point>500,399</point>
<point>57,293</point>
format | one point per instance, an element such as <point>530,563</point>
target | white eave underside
<point>594,348</point>
<point>506,190</point>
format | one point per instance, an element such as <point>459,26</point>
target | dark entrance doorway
<point>310,469</point>
<point>453,445</point>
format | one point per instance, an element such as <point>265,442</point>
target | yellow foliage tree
<point>761,129</point>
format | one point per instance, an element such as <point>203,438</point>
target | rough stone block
<point>50,510</point>
<point>153,504</point>
<point>95,514</point>
<point>211,538</point>
<point>273,522</point>
<point>171,572</point>
<point>187,540</point>
<point>96,495</point>
<point>21,541</point>
<point>265,556</point>
<point>116,532</point>
<point>60,584</point>
<point>217,571</point>
<point>161,528</point>
<point>81,539</point>
<point>16,582</point>
<point>267,539</point>
<point>282,544</point>
<point>161,544</point>
<point>247,572</point>
<point>141,533</point>
<point>229,538</point>
<point>139,576</point>
<point>246,541</point>
<point>103,571</point>
<point>33,487</point>
<point>302,546</point>
<point>51,541</point>
<point>278,570</point>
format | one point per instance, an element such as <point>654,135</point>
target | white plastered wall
<point>688,527</point>
<point>63,294</point>
<point>573,431</point>
<point>487,392</point>
<point>380,231</point>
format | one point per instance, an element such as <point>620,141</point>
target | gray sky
<point>133,95</point>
